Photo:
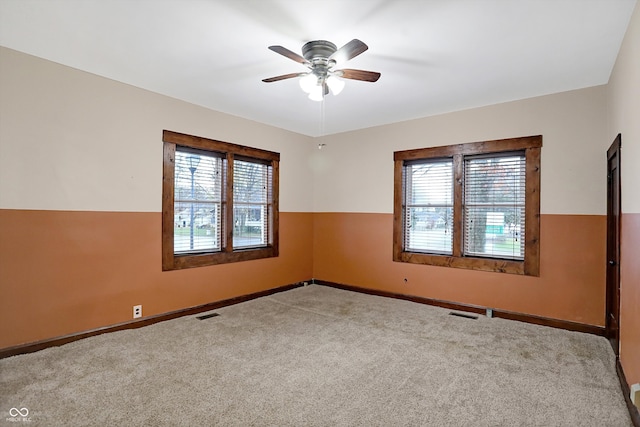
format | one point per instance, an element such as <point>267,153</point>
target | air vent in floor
<point>207,316</point>
<point>466,316</point>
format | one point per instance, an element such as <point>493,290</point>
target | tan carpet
<point>317,356</point>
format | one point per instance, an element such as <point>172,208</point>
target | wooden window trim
<point>171,261</point>
<point>531,146</point>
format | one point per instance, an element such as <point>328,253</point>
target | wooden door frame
<point>613,253</point>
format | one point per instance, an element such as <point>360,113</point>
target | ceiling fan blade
<point>350,50</point>
<point>283,77</point>
<point>367,76</point>
<point>289,54</point>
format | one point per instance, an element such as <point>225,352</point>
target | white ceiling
<point>435,56</point>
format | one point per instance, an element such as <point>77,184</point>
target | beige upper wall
<point>354,171</point>
<point>624,112</point>
<point>71,140</point>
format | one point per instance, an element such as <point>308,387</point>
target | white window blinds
<point>252,202</point>
<point>494,206</point>
<point>197,201</point>
<point>428,206</point>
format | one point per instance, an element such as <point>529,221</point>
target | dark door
<point>612,322</point>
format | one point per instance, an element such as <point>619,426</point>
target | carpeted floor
<point>318,356</point>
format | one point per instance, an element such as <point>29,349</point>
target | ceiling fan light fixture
<point>335,84</point>
<point>309,82</point>
<point>317,94</point>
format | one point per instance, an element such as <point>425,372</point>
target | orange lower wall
<point>63,272</point>
<point>356,249</point>
<point>630,297</point>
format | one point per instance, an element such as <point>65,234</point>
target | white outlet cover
<point>137,311</point>
<point>635,394</point>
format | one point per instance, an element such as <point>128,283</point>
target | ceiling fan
<point>321,56</point>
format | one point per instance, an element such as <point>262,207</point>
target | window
<point>494,206</point>
<point>473,206</point>
<point>429,206</point>
<point>219,202</point>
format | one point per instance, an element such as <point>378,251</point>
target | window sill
<point>470,263</point>
<point>179,262</point>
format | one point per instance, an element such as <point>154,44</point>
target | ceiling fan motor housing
<point>317,52</point>
<point>318,49</point>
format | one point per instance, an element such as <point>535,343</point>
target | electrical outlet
<point>635,395</point>
<point>137,311</point>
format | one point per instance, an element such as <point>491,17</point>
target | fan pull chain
<point>322,117</point>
